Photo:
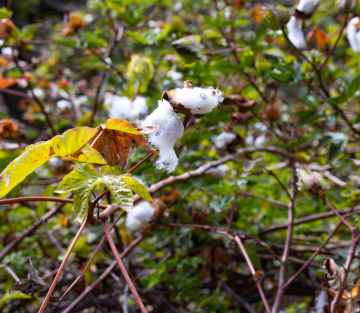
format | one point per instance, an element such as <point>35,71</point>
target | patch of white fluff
<point>307,6</point>
<point>170,130</point>
<point>63,104</point>
<point>310,179</point>
<point>219,171</point>
<point>56,163</point>
<point>223,139</point>
<point>296,34</point>
<point>199,100</point>
<point>141,216</point>
<point>353,34</point>
<point>123,107</point>
<point>321,302</point>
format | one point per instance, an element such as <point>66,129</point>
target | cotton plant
<point>306,8</point>
<point>310,181</point>
<point>295,33</point>
<point>125,108</point>
<point>353,34</point>
<point>141,216</point>
<point>190,101</point>
<point>223,139</point>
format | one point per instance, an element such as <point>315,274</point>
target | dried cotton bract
<point>353,34</point>
<point>170,130</point>
<point>141,216</point>
<point>296,34</point>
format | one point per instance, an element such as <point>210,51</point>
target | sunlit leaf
<point>138,188</point>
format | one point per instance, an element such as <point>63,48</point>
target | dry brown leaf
<point>115,145</point>
<point>6,27</point>
<point>6,125</point>
<point>74,24</point>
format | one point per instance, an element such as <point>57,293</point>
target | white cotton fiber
<point>56,163</point>
<point>141,216</point>
<point>170,130</point>
<point>353,34</point>
<point>307,6</point>
<point>321,302</point>
<point>63,105</point>
<point>296,34</point>
<point>199,100</point>
<point>123,107</point>
<point>223,139</point>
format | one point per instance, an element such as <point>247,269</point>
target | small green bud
<point>140,68</point>
<point>277,16</point>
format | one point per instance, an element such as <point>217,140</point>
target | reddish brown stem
<point>334,45</point>
<point>122,267</point>
<point>91,259</point>
<point>253,272</point>
<point>61,268</point>
<point>51,199</point>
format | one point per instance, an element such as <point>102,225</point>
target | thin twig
<point>253,272</point>
<point>61,268</point>
<point>122,267</point>
<point>106,273</point>
<point>88,264</point>
<point>334,46</point>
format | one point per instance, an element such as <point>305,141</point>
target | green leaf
<point>67,42</point>
<point>137,188</point>
<point>137,37</point>
<point>36,155</point>
<point>27,32</point>
<point>338,144</point>
<point>16,295</point>
<point>83,179</point>
<point>354,86</point>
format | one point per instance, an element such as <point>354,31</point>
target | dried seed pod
<point>6,27</point>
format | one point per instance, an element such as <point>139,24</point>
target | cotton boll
<point>219,171</point>
<point>310,181</point>
<point>353,34</point>
<point>321,302</point>
<point>123,107</point>
<point>307,7</point>
<point>224,139</point>
<point>140,107</point>
<point>198,100</point>
<point>141,216</point>
<point>170,130</point>
<point>63,105</point>
<point>296,34</point>
<point>259,141</point>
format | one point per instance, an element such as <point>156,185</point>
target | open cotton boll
<point>353,34</point>
<point>321,302</point>
<point>224,139</point>
<point>56,163</point>
<point>63,105</point>
<point>170,130</point>
<point>199,100</point>
<point>307,7</point>
<point>141,216</point>
<point>296,34</point>
<point>123,107</point>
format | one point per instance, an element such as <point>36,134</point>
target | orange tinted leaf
<point>6,125</point>
<point>114,141</point>
<point>319,36</point>
<point>7,82</point>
